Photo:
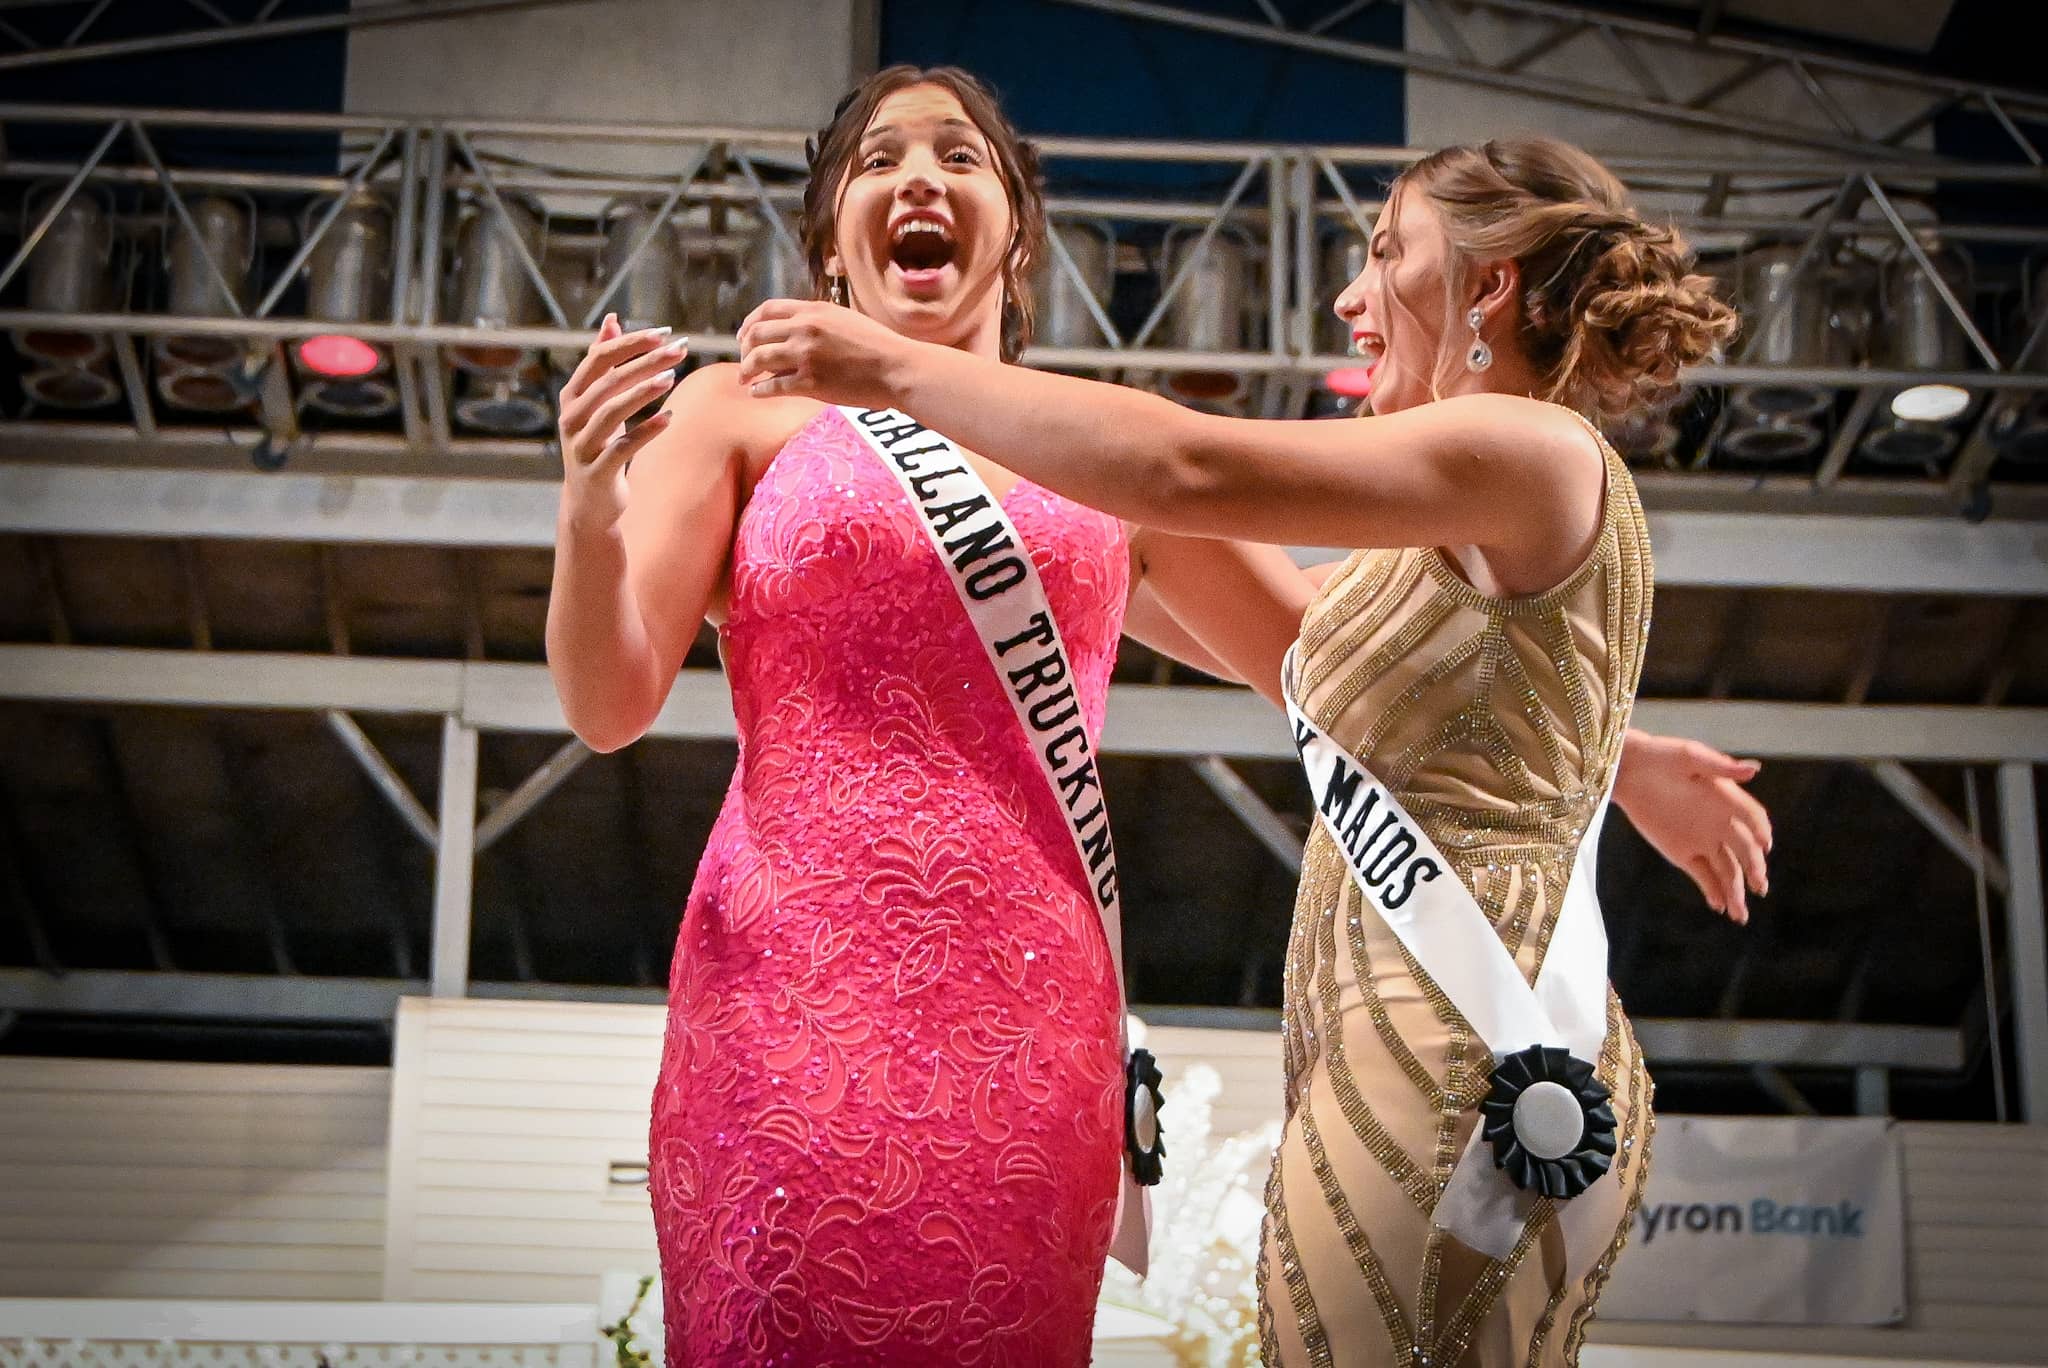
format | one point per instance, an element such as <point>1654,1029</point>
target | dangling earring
<point>1481,355</point>
<point>835,290</point>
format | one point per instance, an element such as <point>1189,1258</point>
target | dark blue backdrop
<point>301,74</point>
<point>1064,70</point>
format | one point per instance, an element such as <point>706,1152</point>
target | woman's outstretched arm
<point>1491,470</point>
<point>1238,603</point>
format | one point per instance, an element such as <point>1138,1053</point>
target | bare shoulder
<point>1530,444</point>
<point>1489,423</point>
<point>712,404</point>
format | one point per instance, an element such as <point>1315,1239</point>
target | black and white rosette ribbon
<point>1546,1128</point>
<point>1144,1137</point>
<point>1546,1116</point>
<point>991,570</point>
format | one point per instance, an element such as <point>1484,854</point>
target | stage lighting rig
<point>208,263</point>
<point>69,271</point>
<point>1920,332</point>
<point>348,280</point>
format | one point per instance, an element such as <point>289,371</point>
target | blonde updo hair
<point>1610,306</point>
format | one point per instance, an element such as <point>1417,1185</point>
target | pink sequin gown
<point>887,1128</point>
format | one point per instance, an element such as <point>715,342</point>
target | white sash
<point>991,570</point>
<point>1411,885</point>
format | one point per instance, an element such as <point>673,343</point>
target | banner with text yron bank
<point>1789,1221</point>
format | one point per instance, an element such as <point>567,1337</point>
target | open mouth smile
<point>1370,348</point>
<point>921,249</point>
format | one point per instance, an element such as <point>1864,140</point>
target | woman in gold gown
<point>1479,655</point>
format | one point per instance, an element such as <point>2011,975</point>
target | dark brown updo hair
<point>1611,309</point>
<point>832,152</point>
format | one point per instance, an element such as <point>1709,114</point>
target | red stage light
<point>1353,382</point>
<point>338,356</point>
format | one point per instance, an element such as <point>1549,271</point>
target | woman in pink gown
<point>887,1119</point>
<point>887,1126</point>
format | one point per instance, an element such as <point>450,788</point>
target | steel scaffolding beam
<point>1279,206</point>
<point>1635,90</point>
<point>215,34</point>
<point>383,776</point>
<point>1198,723</point>
<point>1914,795</point>
<point>260,997</point>
<point>533,789</point>
<point>1186,722</point>
<point>1282,841</point>
<point>1816,60</point>
<point>2026,934</point>
<point>454,860</point>
<point>1900,555</point>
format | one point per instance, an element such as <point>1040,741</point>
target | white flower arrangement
<point>1208,1211</point>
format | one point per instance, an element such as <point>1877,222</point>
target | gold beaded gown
<point>1498,723</point>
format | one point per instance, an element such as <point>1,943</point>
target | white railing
<point>86,1333</point>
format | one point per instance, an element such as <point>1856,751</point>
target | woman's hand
<point>621,374</point>
<point>1687,801</point>
<point>823,351</point>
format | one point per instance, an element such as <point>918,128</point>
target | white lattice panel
<point>93,1333</point>
<point>82,1353</point>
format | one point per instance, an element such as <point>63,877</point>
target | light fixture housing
<point>1209,311</point>
<point>1064,318</point>
<point>71,387</point>
<point>650,293</point>
<point>490,286</point>
<point>339,356</point>
<point>348,280</point>
<point>226,233</point>
<point>504,406</point>
<point>1930,403</point>
<point>1787,307</point>
<point>70,271</point>
<point>1353,382</point>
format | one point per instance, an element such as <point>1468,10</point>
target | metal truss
<point>1179,722</point>
<point>2027,934</point>
<point>253,997</point>
<point>1280,207</point>
<point>1626,77</point>
<point>1198,725</point>
<point>255,22</point>
<point>1703,548</point>
<point>1282,204</point>
<point>1630,48</point>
